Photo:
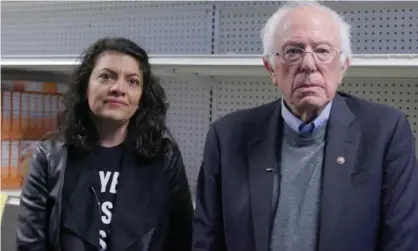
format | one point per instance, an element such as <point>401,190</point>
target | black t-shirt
<point>108,162</point>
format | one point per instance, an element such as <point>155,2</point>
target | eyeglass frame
<point>304,52</point>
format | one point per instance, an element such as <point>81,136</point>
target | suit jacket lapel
<point>262,159</point>
<point>339,164</point>
<point>136,210</point>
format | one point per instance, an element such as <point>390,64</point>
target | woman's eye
<point>104,76</point>
<point>134,82</point>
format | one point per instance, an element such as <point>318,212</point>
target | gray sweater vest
<point>296,207</point>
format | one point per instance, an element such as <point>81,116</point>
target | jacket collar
<point>343,137</point>
<point>135,210</point>
<point>300,126</point>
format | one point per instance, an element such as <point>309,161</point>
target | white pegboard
<point>399,93</point>
<point>239,25</point>
<point>188,120</point>
<point>232,94</point>
<point>62,28</point>
<point>192,27</point>
<point>376,28</point>
<point>393,30</point>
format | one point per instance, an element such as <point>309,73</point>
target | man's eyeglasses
<point>294,55</point>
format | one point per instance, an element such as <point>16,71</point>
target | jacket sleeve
<point>32,218</point>
<point>179,236</point>
<point>208,228</point>
<point>400,192</point>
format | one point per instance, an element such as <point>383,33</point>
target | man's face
<point>310,83</point>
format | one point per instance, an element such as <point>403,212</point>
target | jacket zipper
<point>98,203</point>
<point>97,199</point>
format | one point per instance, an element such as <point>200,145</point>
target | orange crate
<point>27,115</point>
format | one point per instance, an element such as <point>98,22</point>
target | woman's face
<point>115,87</point>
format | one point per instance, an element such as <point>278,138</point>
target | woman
<point>113,181</point>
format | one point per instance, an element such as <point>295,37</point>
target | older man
<point>316,169</point>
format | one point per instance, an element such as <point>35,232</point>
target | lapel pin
<point>269,170</point>
<point>340,160</point>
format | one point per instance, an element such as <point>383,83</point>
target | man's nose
<point>308,61</point>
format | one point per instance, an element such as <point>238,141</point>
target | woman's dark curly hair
<point>146,128</point>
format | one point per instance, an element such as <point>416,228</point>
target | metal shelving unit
<point>207,53</point>
<point>363,65</point>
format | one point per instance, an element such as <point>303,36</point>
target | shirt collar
<point>301,127</point>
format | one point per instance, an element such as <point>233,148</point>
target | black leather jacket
<point>159,218</point>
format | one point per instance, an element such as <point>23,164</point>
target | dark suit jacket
<point>368,203</point>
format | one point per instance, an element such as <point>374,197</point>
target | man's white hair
<point>271,30</point>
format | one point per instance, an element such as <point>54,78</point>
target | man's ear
<point>267,65</point>
<point>345,65</point>
<point>270,70</point>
